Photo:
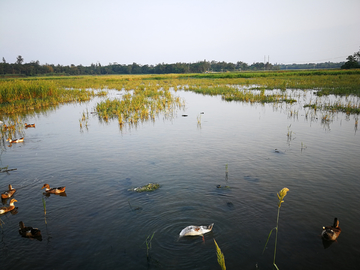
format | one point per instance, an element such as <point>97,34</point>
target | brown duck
<point>331,232</point>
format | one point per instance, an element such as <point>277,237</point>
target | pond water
<point>103,224</point>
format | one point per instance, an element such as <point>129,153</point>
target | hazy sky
<point>168,31</point>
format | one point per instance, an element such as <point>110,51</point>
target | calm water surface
<point>102,224</point>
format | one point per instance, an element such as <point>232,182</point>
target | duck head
<point>45,186</point>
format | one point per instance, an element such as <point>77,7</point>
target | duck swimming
<point>53,190</point>
<point>16,140</point>
<point>29,125</point>
<point>196,230</point>
<point>8,208</point>
<point>331,232</point>
<point>9,193</point>
<point>29,232</point>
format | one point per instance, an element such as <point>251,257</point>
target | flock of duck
<point>329,233</point>
<point>24,231</point>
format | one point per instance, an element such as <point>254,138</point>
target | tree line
<point>33,68</point>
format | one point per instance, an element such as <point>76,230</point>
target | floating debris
<point>148,187</point>
<point>6,169</point>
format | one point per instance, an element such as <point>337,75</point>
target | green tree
<point>19,60</point>
<point>352,61</point>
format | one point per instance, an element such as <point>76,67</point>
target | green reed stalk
<point>148,244</point>
<point>44,204</point>
<point>220,257</point>
<point>281,196</point>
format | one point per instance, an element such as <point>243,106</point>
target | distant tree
<point>352,61</point>
<point>241,65</point>
<point>135,68</point>
<point>49,68</point>
<point>19,60</point>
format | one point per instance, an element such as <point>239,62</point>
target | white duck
<point>196,230</point>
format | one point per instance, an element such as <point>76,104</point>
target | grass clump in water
<point>143,104</point>
<point>25,95</point>
<point>147,188</point>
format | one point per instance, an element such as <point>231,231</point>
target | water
<point>101,224</point>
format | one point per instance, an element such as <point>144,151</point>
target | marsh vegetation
<point>144,96</point>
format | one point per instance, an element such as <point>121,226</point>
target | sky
<point>149,32</point>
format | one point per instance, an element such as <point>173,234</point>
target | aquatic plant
<point>148,245</point>
<point>226,173</point>
<point>147,188</point>
<point>21,95</point>
<point>143,104</point>
<point>220,257</point>
<point>280,196</point>
<point>84,119</point>
<point>303,146</point>
<point>199,120</point>
<point>289,133</point>
<point>337,107</point>
<point>4,168</point>
<point>44,204</point>
<point>356,123</point>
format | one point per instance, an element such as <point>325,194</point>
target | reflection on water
<point>243,148</point>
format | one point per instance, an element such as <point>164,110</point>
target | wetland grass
<point>336,107</point>
<point>140,105</point>
<point>20,95</point>
<point>148,95</point>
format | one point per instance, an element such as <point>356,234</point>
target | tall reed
<point>148,245</point>
<point>281,196</point>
